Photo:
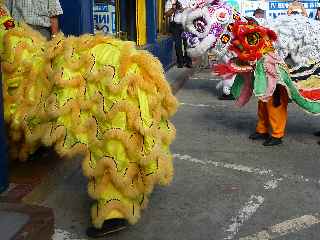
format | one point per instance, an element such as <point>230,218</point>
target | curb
<point>178,76</point>
<point>38,221</point>
<point>22,220</point>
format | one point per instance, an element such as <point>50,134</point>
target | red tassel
<point>223,69</point>
<point>9,24</point>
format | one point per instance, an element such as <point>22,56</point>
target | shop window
<point>104,16</point>
<point>127,20</point>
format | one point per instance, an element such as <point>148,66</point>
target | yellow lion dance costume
<point>95,96</point>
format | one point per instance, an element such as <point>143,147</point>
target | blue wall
<point>151,21</point>
<point>163,50</point>
<point>77,18</point>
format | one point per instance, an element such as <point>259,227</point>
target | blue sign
<point>284,5</point>
<point>277,8</point>
<point>101,8</point>
<point>104,16</point>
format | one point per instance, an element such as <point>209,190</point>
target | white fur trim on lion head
<point>199,22</point>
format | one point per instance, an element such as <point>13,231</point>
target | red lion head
<point>251,41</point>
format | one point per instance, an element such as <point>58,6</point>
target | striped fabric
<point>34,12</point>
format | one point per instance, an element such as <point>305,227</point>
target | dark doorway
<point>128,19</point>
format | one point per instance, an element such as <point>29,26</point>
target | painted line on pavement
<point>272,184</point>
<point>243,215</point>
<point>237,167</point>
<point>205,79</point>
<point>242,168</point>
<point>60,234</point>
<point>217,107</point>
<point>197,105</point>
<point>285,228</point>
<point>253,203</point>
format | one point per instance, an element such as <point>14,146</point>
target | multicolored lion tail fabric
<point>97,97</point>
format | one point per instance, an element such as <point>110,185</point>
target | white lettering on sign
<point>276,8</point>
<point>104,18</point>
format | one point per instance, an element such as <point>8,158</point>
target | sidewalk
<point>39,188</point>
<point>178,76</point>
<point>19,220</point>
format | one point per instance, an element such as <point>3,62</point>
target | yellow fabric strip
<point>118,15</point>
<point>141,22</point>
<point>160,15</point>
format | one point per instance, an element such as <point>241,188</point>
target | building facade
<point>141,21</point>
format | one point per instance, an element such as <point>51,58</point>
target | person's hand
<point>54,26</point>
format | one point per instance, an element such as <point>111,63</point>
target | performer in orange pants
<point>272,115</point>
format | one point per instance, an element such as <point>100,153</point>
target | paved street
<point>225,186</point>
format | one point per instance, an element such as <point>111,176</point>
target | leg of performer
<point>176,32</point>
<point>187,60</point>
<point>277,116</point>
<point>317,134</point>
<point>262,128</point>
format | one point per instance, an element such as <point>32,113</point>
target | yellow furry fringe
<point>65,93</point>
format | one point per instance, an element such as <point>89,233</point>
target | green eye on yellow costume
<point>95,96</point>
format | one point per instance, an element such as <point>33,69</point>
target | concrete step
<point>20,221</point>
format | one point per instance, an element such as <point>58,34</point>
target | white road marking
<point>200,105</point>
<point>60,234</point>
<point>247,169</point>
<point>197,105</point>
<point>201,78</point>
<point>294,225</point>
<point>236,167</point>
<point>244,214</point>
<point>285,228</point>
<point>255,202</point>
<point>272,184</point>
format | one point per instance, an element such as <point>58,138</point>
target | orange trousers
<point>273,117</point>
